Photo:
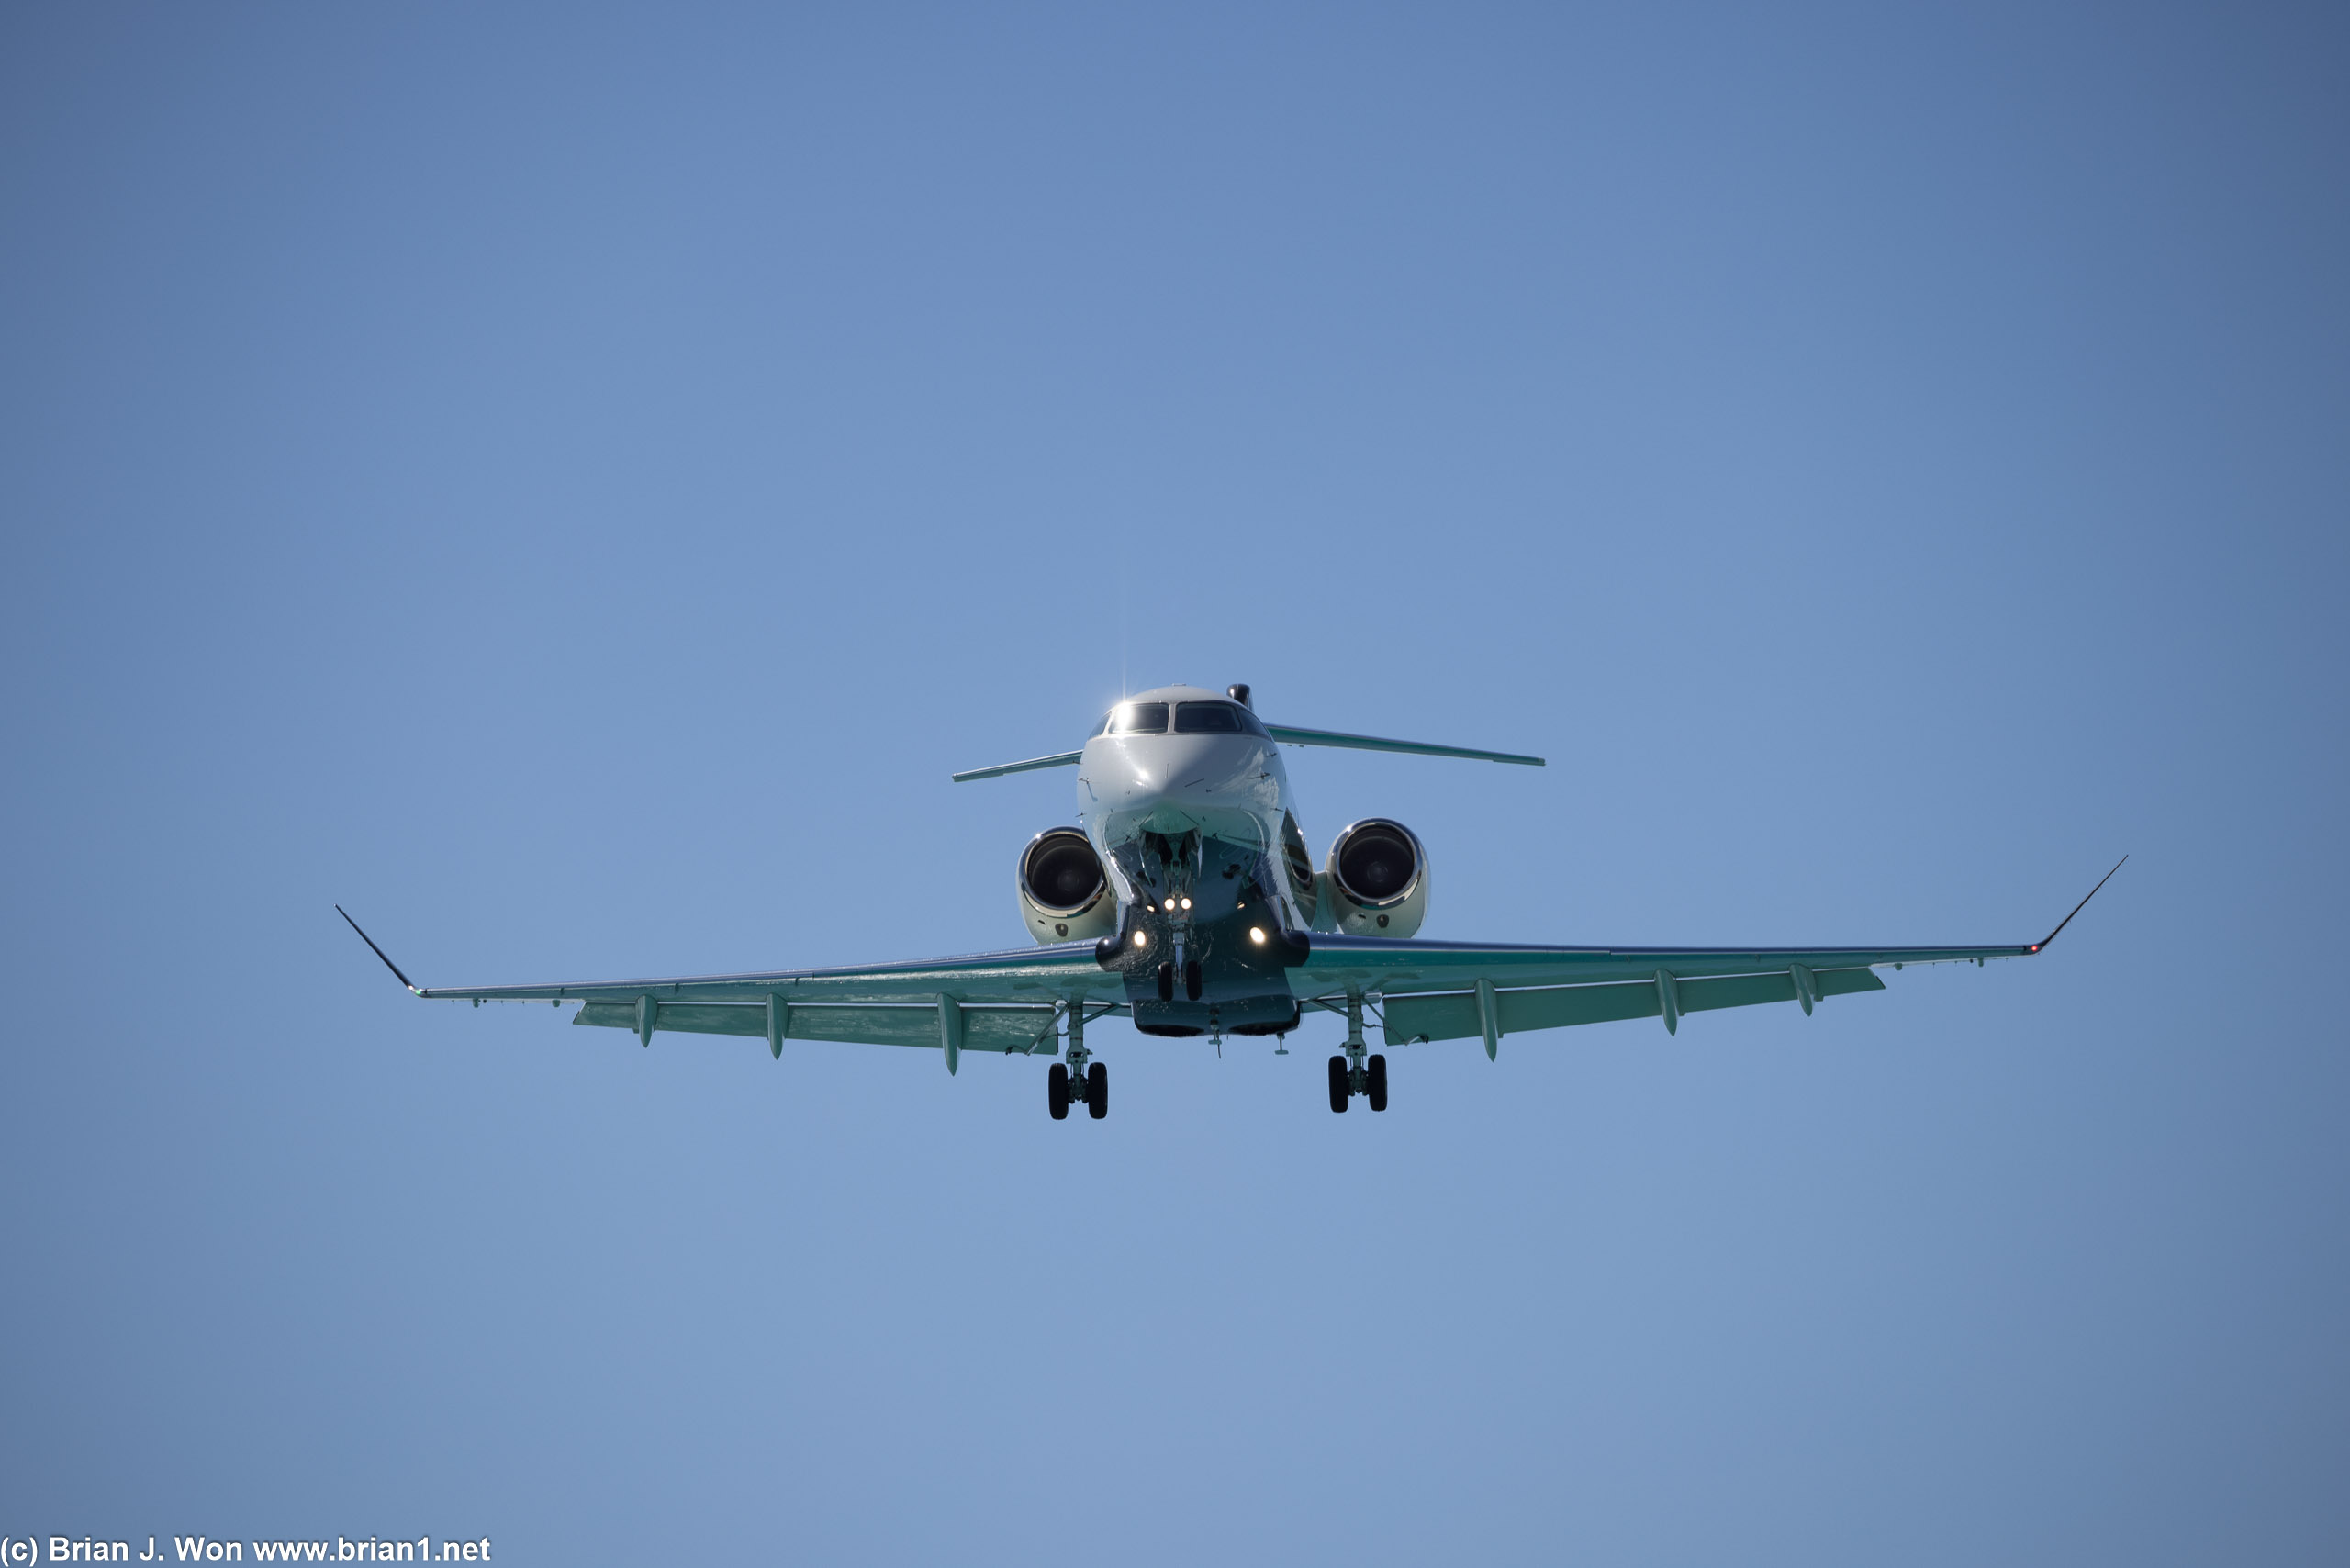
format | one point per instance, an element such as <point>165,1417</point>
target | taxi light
<point>1186,903</point>
<point>1257,934</point>
<point>1170,906</point>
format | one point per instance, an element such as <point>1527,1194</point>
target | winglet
<point>378,951</point>
<point>2044,942</point>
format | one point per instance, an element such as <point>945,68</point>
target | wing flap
<point>1453,1015</point>
<point>1396,968</point>
<point>1028,1030</point>
<point>1019,977</point>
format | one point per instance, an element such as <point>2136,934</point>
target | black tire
<point>1056,1092</point>
<point>1167,982</point>
<point>1097,1090</point>
<point>1338,1089</point>
<point>1192,980</point>
<point>1378,1085</point>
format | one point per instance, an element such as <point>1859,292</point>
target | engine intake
<point>1064,897</point>
<point>1377,880</point>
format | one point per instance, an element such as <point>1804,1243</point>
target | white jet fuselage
<point>1190,829</point>
<point>1230,790</point>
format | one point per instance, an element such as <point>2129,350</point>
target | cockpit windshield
<point>1190,719</point>
<point>1215,718</point>
<point>1139,719</point>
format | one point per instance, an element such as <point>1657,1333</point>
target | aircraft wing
<point>1012,1001</point>
<point>1447,991</point>
<point>1007,1001</point>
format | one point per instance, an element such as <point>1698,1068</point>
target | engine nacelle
<point>1376,880</point>
<point>1064,897</point>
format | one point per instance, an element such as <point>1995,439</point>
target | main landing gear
<point>1079,1078</point>
<point>1368,1081</point>
<point>1091,1087</point>
<point>1356,1072</point>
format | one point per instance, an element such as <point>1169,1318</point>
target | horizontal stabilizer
<point>1289,733</point>
<point>1293,735</point>
<point>1058,760</point>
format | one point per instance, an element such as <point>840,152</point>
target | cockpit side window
<point>1139,719</point>
<point>1301,863</point>
<point>1215,718</point>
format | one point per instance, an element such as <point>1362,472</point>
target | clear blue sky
<point>571,486</point>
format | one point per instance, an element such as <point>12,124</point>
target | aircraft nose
<point>1144,775</point>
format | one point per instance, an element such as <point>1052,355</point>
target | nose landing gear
<point>1357,1072</point>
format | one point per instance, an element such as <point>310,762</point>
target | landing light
<point>1186,903</point>
<point>1257,934</point>
<point>1170,906</point>
<point>1142,938</point>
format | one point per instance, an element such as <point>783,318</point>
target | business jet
<point>1185,900</point>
